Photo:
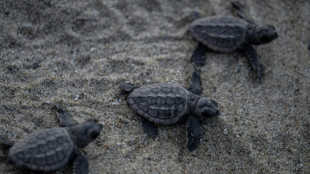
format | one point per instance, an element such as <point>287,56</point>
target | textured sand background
<point>77,53</point>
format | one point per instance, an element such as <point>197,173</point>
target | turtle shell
<point>44,150</point>
<point>224,34</point>
<point>162,103</point>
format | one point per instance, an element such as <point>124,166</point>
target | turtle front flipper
<point>251,54</point>
<point>35,172</point>
<point>80,164</point>
<point>5,142</point>
<point>199,55</point>
<point>239,8</point>
<point>194,132</point>
<point>127,87</point>
<point>64,117</point>
<point>149,128</point>
<point>195,84</point>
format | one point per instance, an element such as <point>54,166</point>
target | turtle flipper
<point>251,54</point>
<point>80,164</point>
<point>195,84</point>
<point>35,172</point>
<point>199,55</point>
<point>5,142</point>
<point>64,117</point>
<point>194,132</point>
<point>239,7</point>
<point>127,87</point>
<point>149,128</point>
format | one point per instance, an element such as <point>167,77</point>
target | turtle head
<point>263,34</point>
<point>86,132</point>
<point>206,107</point>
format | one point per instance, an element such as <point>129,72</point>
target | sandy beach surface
<point>78,52</point>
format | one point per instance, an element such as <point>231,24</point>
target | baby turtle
<point>51,149</point>
<point>167,103</point>
<point>230,34</point>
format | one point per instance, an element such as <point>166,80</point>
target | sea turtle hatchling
<point>230,34</point>
<point>167,103</point>
<point>51,149</point>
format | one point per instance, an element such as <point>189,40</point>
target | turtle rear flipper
<point>127,87</point>
<point>64,117</point>
<point>195,84</point>
<point>80,165</point>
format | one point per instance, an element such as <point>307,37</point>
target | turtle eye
<point>94,134</point>
<point>265,39</point>
<point>206,113</point>
<point>271,27</point>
